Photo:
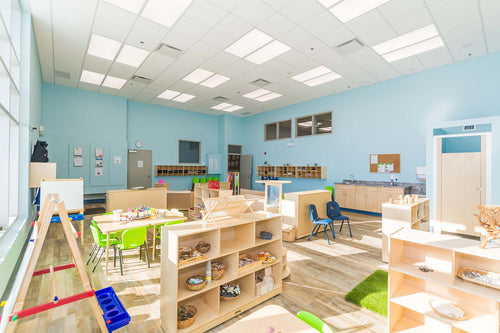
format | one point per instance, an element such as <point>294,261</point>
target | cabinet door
<point>340,196</point>
<point>360,198</point>
<point>371,202</point>
<point>383,196</point>
<point>349,199</point>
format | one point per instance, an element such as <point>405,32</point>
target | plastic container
<point>117,213</point>
<point>114,313</point>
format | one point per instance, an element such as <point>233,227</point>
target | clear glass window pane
<point>323,123</point>
<point>304,126</point>
<point>285,129</point>
<point>13,169</point>
<point>4,170</point>
<point>271,131</point>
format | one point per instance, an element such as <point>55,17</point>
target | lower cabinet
<point>366,198</point>
<point>344,195</point>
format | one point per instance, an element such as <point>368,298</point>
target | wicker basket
<point>185,252</point>
<point>198,286</point>
<point>218,269</point>
<point>203,247</point>
<point>189,321</point>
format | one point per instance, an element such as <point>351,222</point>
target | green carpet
<point>371,293</point>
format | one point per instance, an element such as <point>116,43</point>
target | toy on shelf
<point>186,315</point>
<point>490,222</point>
<point>266,257</point>
<point>229,292</point>
<point>187,255</point>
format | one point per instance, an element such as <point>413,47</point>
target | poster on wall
<point>98,152</point>
<point>98,171</point>
<point>77,151</point>
<point>78,161</point>
<point>98,163</point>
<point>117,159</point>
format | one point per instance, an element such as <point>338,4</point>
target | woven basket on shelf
<point>203,247</point>
<point>189,321</point>
<point>198,286</point>
<point>218,269</point>
<point>185,252</point>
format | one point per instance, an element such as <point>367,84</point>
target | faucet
<point>394,179</point>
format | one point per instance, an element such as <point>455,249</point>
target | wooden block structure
<point>42,226</point>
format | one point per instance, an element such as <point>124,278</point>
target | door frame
<point>436,170</point>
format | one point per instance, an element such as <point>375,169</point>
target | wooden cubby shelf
<point>311,172</point>
<point>229,239</point>
<point>201,191</point>
<point>180,170</point>
<point>411,290</point>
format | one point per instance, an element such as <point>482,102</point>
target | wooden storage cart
<point>229,238</point>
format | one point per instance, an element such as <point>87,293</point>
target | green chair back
<point>132,238</point>
<point>99,238</point>
<point>196,180</point>
<point>108,213</point>
<point>215,178</point>
<point>209,179</point>
<point>168,223</point>
<point>314,322</point>
<point>331,189</point>
<point>203,180</point>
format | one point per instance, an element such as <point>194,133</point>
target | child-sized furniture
<point>131,239</point>
<point>318,222</point>
<point>333,212</point>
<point>314,322</point>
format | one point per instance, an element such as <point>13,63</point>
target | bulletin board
<point>385,163</point>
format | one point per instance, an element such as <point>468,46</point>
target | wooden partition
<point>125,199</point>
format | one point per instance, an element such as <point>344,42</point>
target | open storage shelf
<point>310,172</point>
<point>180,170</point>
<point>411,290</point>
<point>229,238</point>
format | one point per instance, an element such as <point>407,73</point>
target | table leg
<point>81,231</point>
<point>154,243</point>
<point>107,254</point>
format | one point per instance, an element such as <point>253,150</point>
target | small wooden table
<point>270,316</point>
<point>107,224</point>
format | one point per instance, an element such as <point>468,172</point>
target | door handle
<point>479,189</point>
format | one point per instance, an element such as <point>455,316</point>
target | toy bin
<point>114,313</point>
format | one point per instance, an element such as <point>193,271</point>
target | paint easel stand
<point>42,225</point>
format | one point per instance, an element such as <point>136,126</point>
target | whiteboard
<point>70,191</point>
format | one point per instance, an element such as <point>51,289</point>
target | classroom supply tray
<point>114,313</point>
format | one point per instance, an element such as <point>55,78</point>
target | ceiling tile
<point>299,60</point>
<point>154,65</point>
<point>205,12</point>
<point>299,11</point>
<point>276,4</point>
<point>179,40</point>
<point>373,64</point>
<point>112,22</point>
<point>121,70</point>
<point>435,58</point>
<point>191,27</point>
<point>131,89</point>
<point>233,26</point>
<point>218,39</point>
<point>378,35</point>
<point>408,66</point>
<point>146,34</point>
<point>395,9</point>
<point>276,25</point>
<point>96,64</point>
<point>321,23</point>
<point>295,37</point>
<point>109,91</point>
<point>237,68</point>
<point>88,86</point>
<point>205,50</point>
<point>413,21</point>
<point>227,5</point>
<point>72,82</point>
<point>337,36</point>
<point>367,22</point>
<point>253,12</point>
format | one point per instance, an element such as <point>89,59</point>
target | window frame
<point>313,124</point>
<point>277,123</point>
<point>331,122</point>
<point>179,152</point>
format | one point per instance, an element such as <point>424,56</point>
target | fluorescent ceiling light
<point>257,93</point>
<point>328,3</point>
<point>311,74</point>
<point>305,124</point>
<point>91,77</point>
<point>221,106</point>
<point>113,82</point>
<point>349,9</point>
<point>232,108</point>
<point>325,129</point>
<point>168,94</point>
<point>268,52</point>
<point>267,97</point>
<point>215,80</point>
<point>198,75</point>
<point>248,43</point>
<point>414,49</point>
<point>165,12</point>
<point>406,39</point>
<point>322,79</point>
<point>132,56</point>
<point>103,47</point>
<point>184,98</point>
<point>133,6</point>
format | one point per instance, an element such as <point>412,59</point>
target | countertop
<point>412,188</point>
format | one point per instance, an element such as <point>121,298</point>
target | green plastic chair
<point>314,322</point>
<point>100,242</point>
<point>215,178</point>
<point>164,224</point>
<point>203,180</point>
<point>196,180</point>
<point>111,234</point>
<point>209,179</point>
<point>131,239</point>
<point>331,189</point>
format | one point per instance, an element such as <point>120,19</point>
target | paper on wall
<point>117,159</point>
<point>77,161</point>
<point>140,164</point>
<point>373,159</point>
<point>98,171</point>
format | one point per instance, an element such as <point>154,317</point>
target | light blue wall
<point>388,117</point>
<point>160,129</point>
<point>74,117</point>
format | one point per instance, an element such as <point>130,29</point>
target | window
<point>189,151</point>
<point>314,125</point>
<point>278,130</point>
<point>9,111</point>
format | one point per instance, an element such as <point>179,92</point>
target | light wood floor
<point>321,275</point>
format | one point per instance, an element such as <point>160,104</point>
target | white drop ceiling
<point>63,29</point>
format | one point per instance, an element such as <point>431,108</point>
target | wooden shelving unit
<point>201,191</point>
<point>410,289</point>
<point>229,239</point>
<point>311,172</point>
<point>180,170</point>
<point>396,216</point>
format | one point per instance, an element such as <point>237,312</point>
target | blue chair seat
<point>333,212</point>
<point>318,222</point>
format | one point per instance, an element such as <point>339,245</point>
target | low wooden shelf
<point>180,170</point>
<point>411,289</point>
<point>229,238</point>
<point>310,172</point>
<point>201,191</point>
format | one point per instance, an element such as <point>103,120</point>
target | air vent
<point>349,47</point>
<point>141,79</point>
<point>169,51</point>
<point>246,113</point>
<point>221,99</point>
<point>260,83</point>
<point>63,75</point>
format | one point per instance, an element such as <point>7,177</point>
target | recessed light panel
<point>169,94</point>
<point>132,56</point>
<point>328,3</point>
<point>256,93</point>
<point>268,52</point>
<point>232,108</point>
<point>311,74</point>
<point>165,12</point>
<point>268,97</point>
<point>350,9</point>
<point>91,77</point>
<point>103,47</point>
<point>198,75</point>
<point>221,106</point>
<point>410,38</point>
<point>248,43</point>
<point>133,6</point>
<point>183,98</point>
<point>322,79</point>
<point>113,82</point>
<point>414,49</point>
<point>215,80</point>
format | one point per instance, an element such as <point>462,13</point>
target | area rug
<point>371,293</point>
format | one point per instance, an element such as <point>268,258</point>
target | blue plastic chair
<point>333,212</point>
<point>318,222</point>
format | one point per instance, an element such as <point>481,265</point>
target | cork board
<point>385,163</point>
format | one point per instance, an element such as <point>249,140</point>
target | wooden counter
<point>296,209</point>
<point>366,197</point>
